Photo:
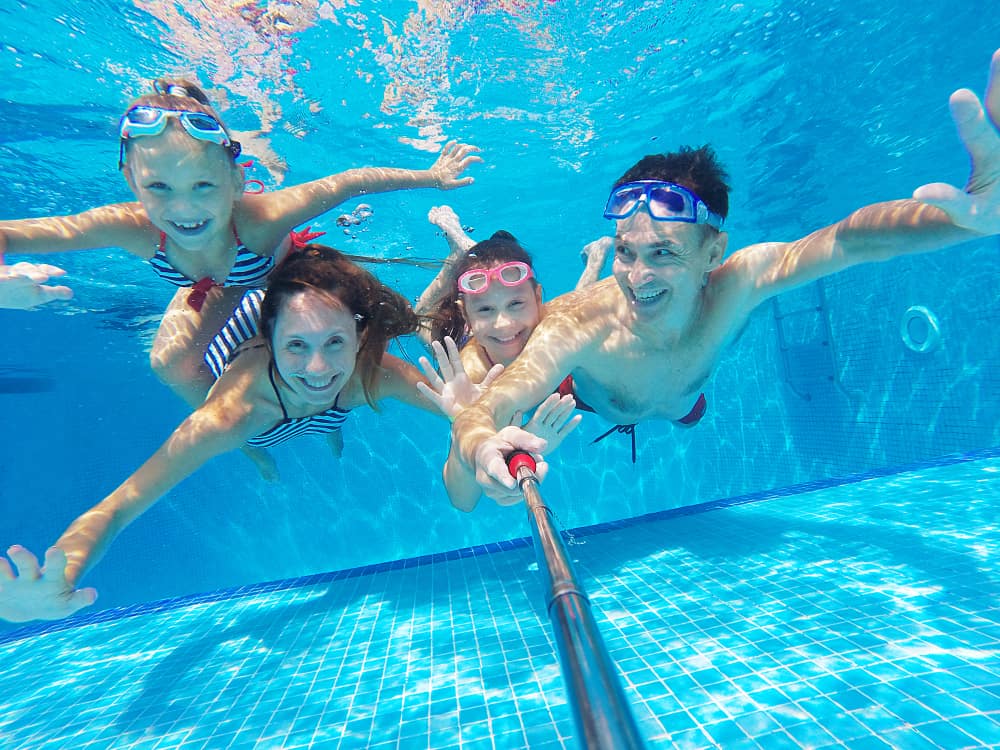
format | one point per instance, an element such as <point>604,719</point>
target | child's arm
<point>123,225</point>
<point>301,203</point>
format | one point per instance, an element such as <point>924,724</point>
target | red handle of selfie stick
<point>518,460</point>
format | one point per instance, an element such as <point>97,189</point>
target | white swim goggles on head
<point>144,119</point>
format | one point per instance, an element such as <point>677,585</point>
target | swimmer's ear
<point>717,249</point>
<point>239,177</point>
<point>129,177</point>
<point>538,293</point>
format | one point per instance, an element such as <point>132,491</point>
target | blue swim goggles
<point>664,201</point>
<point>148,120</point>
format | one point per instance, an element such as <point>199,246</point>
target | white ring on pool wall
<point>919,329</point>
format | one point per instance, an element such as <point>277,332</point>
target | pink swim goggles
<point>477,280</point>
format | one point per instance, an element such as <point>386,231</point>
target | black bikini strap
<point>281,403</point>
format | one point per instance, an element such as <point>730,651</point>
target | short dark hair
<point>698,169</point>
<point>447,319</point>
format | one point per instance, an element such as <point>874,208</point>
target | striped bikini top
<point>242,326</point>
<point>249,269</point>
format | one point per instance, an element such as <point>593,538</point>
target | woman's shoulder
<point>245,384</point>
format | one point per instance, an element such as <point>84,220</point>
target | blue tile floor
<point>865,615</point>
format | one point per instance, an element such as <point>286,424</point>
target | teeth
<point>191,224</point>
<point>647,296</point>
<point>319,385</point>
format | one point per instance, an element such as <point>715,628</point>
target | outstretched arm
<point>50,592</point>
<point>552,421</point>
<point>296,205</point>
<point>941,215</point>
<point>123,225</point>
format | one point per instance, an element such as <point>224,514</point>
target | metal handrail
<point>602,714</point>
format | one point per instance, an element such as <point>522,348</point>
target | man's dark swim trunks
<point>567,388</point>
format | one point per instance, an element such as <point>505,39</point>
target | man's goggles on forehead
<point>147,120</point>
<point>665,201</point>
<point>477,280</point>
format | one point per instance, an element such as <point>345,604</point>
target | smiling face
<point>315,346</point>
<point>188,187</point>
<point>503,317</point>
<point>661,266</point>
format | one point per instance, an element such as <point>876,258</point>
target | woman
<point>324,324</point>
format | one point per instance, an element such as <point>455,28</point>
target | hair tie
<point>176,89</point>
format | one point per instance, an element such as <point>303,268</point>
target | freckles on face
<point>315,345</point>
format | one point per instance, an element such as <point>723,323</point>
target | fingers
<point>55,564</point>
<point>25,562</point>
<point>459,150</point>
<point>569,426</point>
<point>495,372</point>
<point>948,198</point>
<point>430,394</point>
<point>454,358</point>
<point>976,131</point>
<point>51,293</point>
<point>82,598</point>
<point>456,158</point>
<point>431,373</point>
<point>992,99</point>
<point>554,410</point>
<point>514,438</point>
<point>444,360</point>
<point>496,469</point>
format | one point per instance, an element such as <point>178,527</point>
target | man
<point>641,345</point>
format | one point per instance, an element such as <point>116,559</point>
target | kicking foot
<point>595,253</point>
<point>336,442</point>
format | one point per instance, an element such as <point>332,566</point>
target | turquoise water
<point>816,109</point>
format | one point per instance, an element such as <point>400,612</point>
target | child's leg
<point>178,355</point>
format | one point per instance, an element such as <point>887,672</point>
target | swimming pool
<point>858,615</point>
<point>815,109</point>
